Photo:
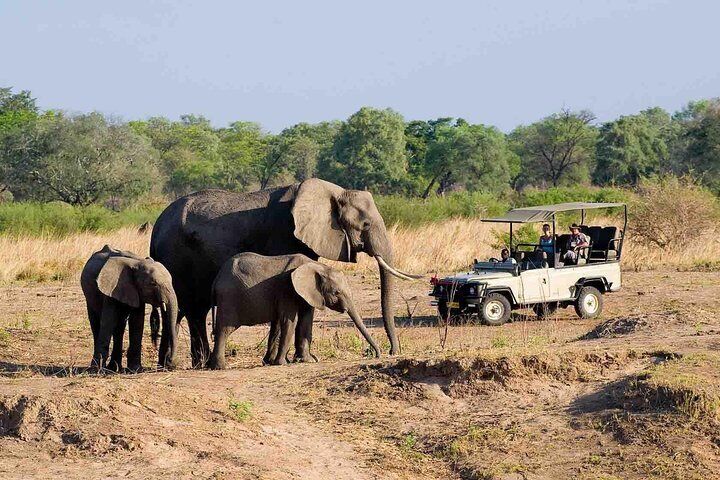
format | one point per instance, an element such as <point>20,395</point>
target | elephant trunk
<point>155,326</point>
<point>361,326</point>
<point>377,244</point>
<point>169,342</point>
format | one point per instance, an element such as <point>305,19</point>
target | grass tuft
<point>240,410</point>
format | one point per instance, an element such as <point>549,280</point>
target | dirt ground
<point>634,394</point>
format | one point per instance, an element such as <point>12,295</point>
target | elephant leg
<point>94,317</point>
<point>303,336</point>
<point>273,341</point>
<point>136,325</point>
<point>115,363</point>
<point>111,312</point>
<point>217,358</point>
<point>287,329</point>
<point>199,345</point>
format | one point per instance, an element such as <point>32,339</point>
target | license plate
<point>453,304</point>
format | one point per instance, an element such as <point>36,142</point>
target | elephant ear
<point>306,281</point>
<point>116,281</point>
<point>316,224</point>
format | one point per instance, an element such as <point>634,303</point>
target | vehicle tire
<point>545,310</point>
<point>495,309</point>
<point>589,303</point>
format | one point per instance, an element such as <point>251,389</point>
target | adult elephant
<point>195,234</point>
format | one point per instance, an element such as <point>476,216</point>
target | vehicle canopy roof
<point>542,213</point>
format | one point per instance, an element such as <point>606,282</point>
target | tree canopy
<point>88,158</point>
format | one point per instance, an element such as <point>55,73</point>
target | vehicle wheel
<point>495,309</point>
<point>589,303</point>
<point>545,310</point>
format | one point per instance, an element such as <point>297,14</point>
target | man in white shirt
<point>575,244</point>
<point>505,256</point>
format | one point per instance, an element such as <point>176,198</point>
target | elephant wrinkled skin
<point>284,291</point>
<point>117,285</point>
<point>197,233</point>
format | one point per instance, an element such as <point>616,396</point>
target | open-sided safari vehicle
<point>537,279</point>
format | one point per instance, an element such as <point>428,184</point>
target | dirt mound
<point>28,418</point>
<point>62,422</point>
<point>458,377</point>
<point>617,327</point>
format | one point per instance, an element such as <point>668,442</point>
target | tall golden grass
<point>442,247</point>
<point>49,258</point>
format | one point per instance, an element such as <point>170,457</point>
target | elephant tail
<point>155,326</point>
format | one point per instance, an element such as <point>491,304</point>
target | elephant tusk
<point>163,306</point>
<point>347,243</point>
<point>397,273</point>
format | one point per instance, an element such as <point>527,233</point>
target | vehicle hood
<point>479,276</point>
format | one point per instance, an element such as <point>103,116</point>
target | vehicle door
<point>535,284</point>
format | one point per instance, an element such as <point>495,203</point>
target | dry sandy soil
<point>635,394</point>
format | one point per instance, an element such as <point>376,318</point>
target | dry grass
<point>443,247</point>
<point>48,258</point>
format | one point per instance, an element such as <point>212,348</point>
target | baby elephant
<point>117,285</point>
<point>284,291</point>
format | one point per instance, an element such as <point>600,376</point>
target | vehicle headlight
<point>472,291</point>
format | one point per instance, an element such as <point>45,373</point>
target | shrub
<point>58,219</point>
<point>671,211</point>
<point>417,211</point>
<point>241,410</point>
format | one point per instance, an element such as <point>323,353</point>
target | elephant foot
<point>168,364</point>
<point>214,364</point>
<point>280,361</point>
<point>306,358</point>
<point>137,368</point>
<point>96,366</point>
<point>114,366</point>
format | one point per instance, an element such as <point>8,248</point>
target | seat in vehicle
<point>536,259</point>
<point>607,246</point>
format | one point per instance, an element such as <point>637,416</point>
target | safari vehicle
<point>538,280</point>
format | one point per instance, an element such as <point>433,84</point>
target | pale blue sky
<point>279,63</point>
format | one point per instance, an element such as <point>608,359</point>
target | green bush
<point>59,219</point>
<point>578,193</point>
<point>417,211</point>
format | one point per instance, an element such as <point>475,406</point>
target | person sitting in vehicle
<point>575,244</point>
<point>505,256</point>
<point>547,241</point>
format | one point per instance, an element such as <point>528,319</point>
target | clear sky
<point>278,63</point>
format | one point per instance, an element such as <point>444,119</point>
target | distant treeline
<point>91,159</point>
<point>58,219</point>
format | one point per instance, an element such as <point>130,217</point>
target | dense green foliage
<point>89,159</point>
<point>58,218</point>
<point>61,219</point>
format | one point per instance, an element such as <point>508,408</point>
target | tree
<point>189,152</point>
<point>419,134</point>
<point>17,110</point>
<point>631,148</point>
<point>475,156</point>
<point>701,135</point>
<point>79,160</point>
<point>559,147</point>
<point>243,153</point>
<point>369,152</point>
